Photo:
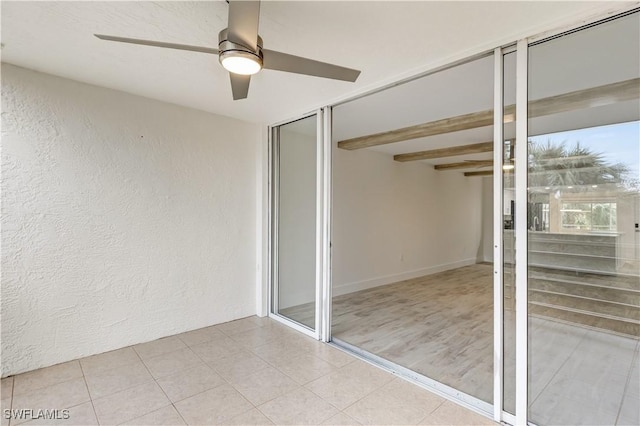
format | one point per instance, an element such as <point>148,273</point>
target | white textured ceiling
<point>383,39</point>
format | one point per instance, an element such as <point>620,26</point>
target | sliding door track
<point>481,407</point>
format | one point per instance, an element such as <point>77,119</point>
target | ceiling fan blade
<point>239,85</point>
<point>157,44</point>
<point>290,63</point>
<point>243,22</point>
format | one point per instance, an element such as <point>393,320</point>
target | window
<point>594,216</point>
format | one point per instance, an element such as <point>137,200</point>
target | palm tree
<point>556,165</point>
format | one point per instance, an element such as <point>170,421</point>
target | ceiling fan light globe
<point>241,63</point>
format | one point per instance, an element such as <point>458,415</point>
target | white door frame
<point>272,234</point>
<point>521,243</point>
<point>498,225</point>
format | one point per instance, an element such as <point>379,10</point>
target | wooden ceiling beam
<point>475,148</point>
<point>464,165</point>
<point>580,99</point>
<point>480,173</point>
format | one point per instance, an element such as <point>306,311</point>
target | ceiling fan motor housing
<point>228,48</point>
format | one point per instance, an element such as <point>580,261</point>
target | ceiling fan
<point>240,51</point>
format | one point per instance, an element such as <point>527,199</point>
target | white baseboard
<point>389,279</point>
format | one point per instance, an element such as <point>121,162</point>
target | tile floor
<point>252,371</point>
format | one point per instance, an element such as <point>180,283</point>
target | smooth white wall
<point>394,221</point>
<point>123,219</point>
<point>486,247</point>
<point>297,216</point>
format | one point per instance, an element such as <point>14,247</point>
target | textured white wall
<point>394,221</point>
<point>123,219</point>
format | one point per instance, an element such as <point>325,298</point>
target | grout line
<point>636,357</point>
<point>13,387</point>
<point>162,390</point>
<point>270,364</point>
<point>227,382</point>
<point>88,393</point>
<point>223,379</point>
<point>46,387</point>
<point>558,370</point>
<point>438,406</point>
<point>163,353</point>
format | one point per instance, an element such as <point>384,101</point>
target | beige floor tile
<point>339,390</point>
<point>202,335</point>
<point>6,391</point>
<point>215,406</point>
<point>45,377</point>
<point>100,363</point>
<point>238,326</point>
<point>264,385</point>
<point>129,404</point>
<point>159,347</point>
<point>401,392</point>
<point>60,396</point>
<point>304,368</point>
<point>117,379</point>
<point>258,336</point>
<point>340,419</point>
<point>190,382</point>
<point>265,321</point>
<point>166,416</point>
<point>5,404</point>
<point>300,407</point>
<point>80,415</point>
<point>333,356</point>
<point>450,413</point>
<point>172,362</point>
<point>238,365</point>
<point>349,384</point>
<point>277,351</point>
<point>397,402</point>
<point>250,418</point>
<point>212,351</point>
<point>367,413</point>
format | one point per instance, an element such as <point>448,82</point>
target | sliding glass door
<point>416,240</point>
<point>583,156</point>
<point>295,221</point>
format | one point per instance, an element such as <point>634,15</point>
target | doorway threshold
<point>477,405</point>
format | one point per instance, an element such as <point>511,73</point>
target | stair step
<point>574,248</point>
<point>586,298</point>
<point>606,285</point>
<point>618,325</point>
<point>609,310</point>
<point>619,281</point>
<point>573,262</point>
<point>593,292</point>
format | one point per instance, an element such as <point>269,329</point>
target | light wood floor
<point>440,325</point>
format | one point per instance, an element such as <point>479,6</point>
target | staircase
<point>606,302</point>
<point>580,279</point>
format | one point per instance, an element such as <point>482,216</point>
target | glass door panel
<point>412,231</point>
<point>294,278</point>
<point>583,246</point>
<point>508,244</point>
